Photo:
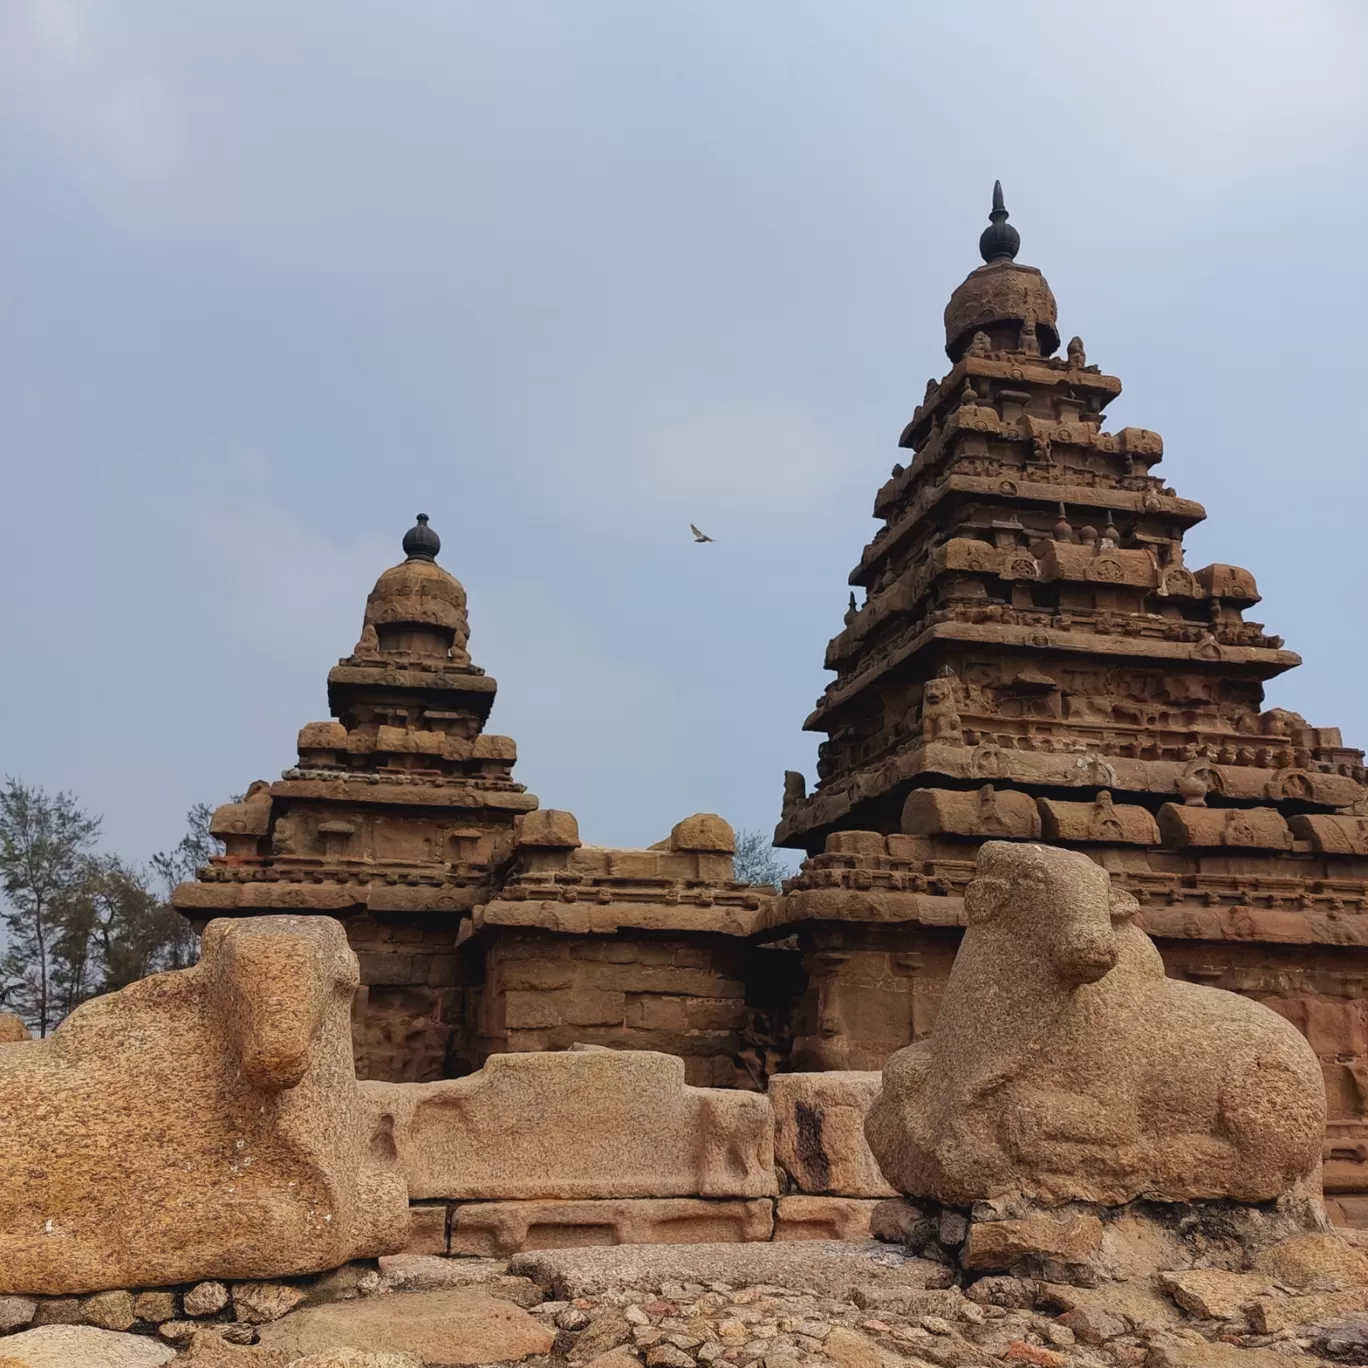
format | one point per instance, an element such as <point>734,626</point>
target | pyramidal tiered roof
<point>398,803</point>
<point>1031,636</point>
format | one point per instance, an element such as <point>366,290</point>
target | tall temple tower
<point>1033,659</point>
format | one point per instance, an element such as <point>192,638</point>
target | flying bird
<point>699,536</point>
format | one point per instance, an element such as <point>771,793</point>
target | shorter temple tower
<point>389,821</point>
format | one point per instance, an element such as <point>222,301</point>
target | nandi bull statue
<point>1064,1066</point>
<point>198,1124</point>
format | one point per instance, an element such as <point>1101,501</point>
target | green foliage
<point>81,922</point>
<point>755,860</point>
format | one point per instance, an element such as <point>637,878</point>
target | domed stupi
<point>420,541</point>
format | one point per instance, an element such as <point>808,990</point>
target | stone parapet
<point>589,1123</point>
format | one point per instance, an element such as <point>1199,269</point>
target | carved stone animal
<point>939,719</point>
<point>1065,1066</point>
<point>197,1124</point>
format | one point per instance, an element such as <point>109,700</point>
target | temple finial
<point>421,542</point>
<point>999,241</point>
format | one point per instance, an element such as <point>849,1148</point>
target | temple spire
<point>999,241</point>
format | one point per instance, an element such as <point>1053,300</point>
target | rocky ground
<point>801,1305</point>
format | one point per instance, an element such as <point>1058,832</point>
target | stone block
<point>460,1325</point>
<point>1098,821</point>
<point>109,1310</point>
<point>819,1132</point>
<point>427,1228</point>
<point>590,1006</point>
<point>548,828</point>
<point>637,866</point>
<point>530,1011</point>
<point>1181,827</point>
<point>651,1013</point>
<point>391,969</point>
<point>856,843</point>
<point>823,1218</point>
<point>497,1229</point>
<point>714,1014</point>
<point>256,1303</point>
<point>1334,1026</point>
<point>660,978</point>
<point>82,1346</point>
<point>1275,1314</point>
<point>1331,834</point>
<point>997,1246</point>
<point>988,812</point>
<point>490,747</point>
<point>577,1124</point>
<point>704,832</point>
<point>536,975</point>
<point>205,1299</point>
<point>197,1124</point>
<point>16,1312</point>
<point>155,1307</point>
<point>1213,1293</point>
<point>322,736</point>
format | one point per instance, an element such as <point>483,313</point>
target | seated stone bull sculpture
<point>1065,1066</point>
<point>197,1124</point>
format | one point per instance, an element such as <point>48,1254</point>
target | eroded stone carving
<point>578,1123</point>
<point>197,1124</point>
<point>1064,1065</point>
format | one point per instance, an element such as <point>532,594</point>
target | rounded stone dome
<point>417,593</point>
<point>1001,292</point>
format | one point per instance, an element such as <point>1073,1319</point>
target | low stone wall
<point>618,1142</point>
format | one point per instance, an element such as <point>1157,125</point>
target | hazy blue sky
<point>567,277</point>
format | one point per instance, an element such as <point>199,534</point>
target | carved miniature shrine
<point>1032,659</point>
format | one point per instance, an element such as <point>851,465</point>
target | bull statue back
<point>1065,1066</point>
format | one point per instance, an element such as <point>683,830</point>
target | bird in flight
<point>699,536</point>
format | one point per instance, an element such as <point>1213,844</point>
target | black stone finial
<point>999,241</point>
<point>421,542</point>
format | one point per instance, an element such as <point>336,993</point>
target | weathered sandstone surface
<point>590,1123</point>
<point>197,1124</point>
<point>1065,1066</point>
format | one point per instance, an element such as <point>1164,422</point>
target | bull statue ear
<point>1123,905</point>
<point>213,936</point>
<point>983,899</point>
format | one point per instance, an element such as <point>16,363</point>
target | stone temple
<point>1030,659</point>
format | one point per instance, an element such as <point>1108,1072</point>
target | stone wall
<point>680,995</point>
<point>409,1018</point>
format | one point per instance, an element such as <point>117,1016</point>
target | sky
<point>568,277</point>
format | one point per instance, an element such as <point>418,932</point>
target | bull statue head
<point>274,978</point>
<point>1056,900</point>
